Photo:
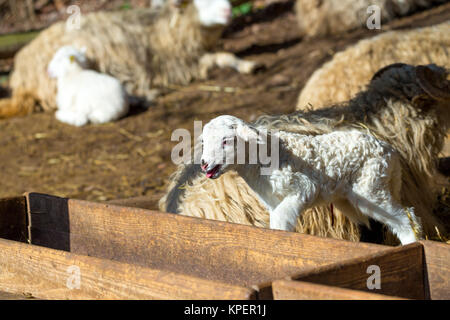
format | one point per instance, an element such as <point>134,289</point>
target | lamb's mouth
<point>214,172</point>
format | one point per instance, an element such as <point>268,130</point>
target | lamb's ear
<point>247,133</point>
<point>433,80</point>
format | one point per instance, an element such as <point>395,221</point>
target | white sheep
<point>85,95</point>
<point>350,168</point>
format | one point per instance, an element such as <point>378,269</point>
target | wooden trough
<point>118,252</point>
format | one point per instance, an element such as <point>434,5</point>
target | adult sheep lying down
<point>327,17</point>
<point>143,49</point>
<point>358,63</point>
<point>403,105</point>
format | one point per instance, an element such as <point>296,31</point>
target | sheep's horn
<point>433,82</point>
<point>380,72</point>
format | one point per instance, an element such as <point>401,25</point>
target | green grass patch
<point>242,9</point>
<point>17,38</point>
<point>125,6</point>
<point>4,80</point>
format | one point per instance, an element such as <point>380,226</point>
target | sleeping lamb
<point>85,95</point>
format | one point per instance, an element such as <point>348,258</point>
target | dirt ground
<point>131,157</point>
<point>18,18</point>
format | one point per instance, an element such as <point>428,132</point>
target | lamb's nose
<point>204,165</point>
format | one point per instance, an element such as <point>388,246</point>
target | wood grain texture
<point>298,290</point>
<point>33,271</point>
<point>232,253</point>
<point>13,224</point>
<point>437,269</point>
<point>401,272</point>
<point>12,296</point>
<point>143,202</point>
<point>237,256</point>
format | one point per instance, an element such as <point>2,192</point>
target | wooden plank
<point>43,273</point>
<point>13,224</point>
<point>214,250</point>
<point>144,202</point>
<point>299,290</point>
<point>12,296</point>
<point>48,221</point>
<point>401,272</point>
<point>437,269</point>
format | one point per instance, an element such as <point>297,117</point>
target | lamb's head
<point>65,59</point>
<point>213,13</point>
<point>221,138</point>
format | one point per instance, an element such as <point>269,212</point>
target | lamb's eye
<point>224,142</point>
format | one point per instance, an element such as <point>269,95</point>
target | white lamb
<point>349,168</point>
<point>85,95</point>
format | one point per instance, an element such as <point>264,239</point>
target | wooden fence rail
<point>126,252</point>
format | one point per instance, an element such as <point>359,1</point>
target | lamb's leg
<point>380,200</point>
<point>225,59</point>
<point>284,216</point>
<point>383,208</point>
<point>344,206</point>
